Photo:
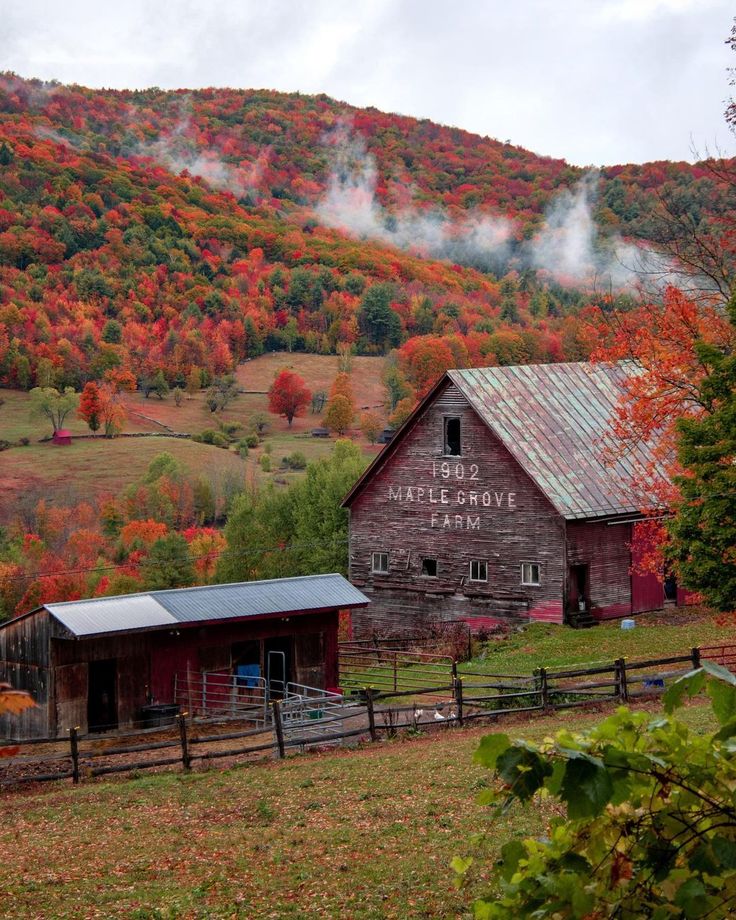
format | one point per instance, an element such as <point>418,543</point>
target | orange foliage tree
<point>90,406</point>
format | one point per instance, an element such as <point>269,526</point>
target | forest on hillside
<point>165,232</point>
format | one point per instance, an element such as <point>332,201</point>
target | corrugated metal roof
<point>212,602</point>
<point>554,419</point>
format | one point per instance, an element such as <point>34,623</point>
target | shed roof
<point>153,609</point>
<point>553,419</point>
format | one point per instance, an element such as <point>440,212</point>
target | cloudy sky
<point>594,81</point>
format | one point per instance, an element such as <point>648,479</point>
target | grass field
<point>656,635</point>
<point>95,467</point>
<point>358,834</point>
<point>99,466</point>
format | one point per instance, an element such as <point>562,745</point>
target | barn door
<point>102,697</point>
<point>578,588</point>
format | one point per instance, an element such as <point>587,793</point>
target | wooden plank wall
<point>606,550</point>
<point>480,505</point>
<point>24,663</point>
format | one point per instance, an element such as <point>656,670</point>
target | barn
<point>114,662</point>
<point>62,437</point>
<point>492,502</point>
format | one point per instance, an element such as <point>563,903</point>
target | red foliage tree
<point>289,396</point>
<point>90,406</point>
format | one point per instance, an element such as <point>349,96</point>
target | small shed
<point>104,663</point>
<point>62,437</point>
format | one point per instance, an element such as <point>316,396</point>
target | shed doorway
<point>102,703</point>
<point>579,588</point>
<point>277,659</point>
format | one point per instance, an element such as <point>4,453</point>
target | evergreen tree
<point>703,529</point>
<point>168,564</point>
<point>377,319</point>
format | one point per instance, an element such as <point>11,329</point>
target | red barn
<point>492,502</point>
<point>107,662</point>
<point>62,437</point>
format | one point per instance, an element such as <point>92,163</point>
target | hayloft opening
<point>452,437</point>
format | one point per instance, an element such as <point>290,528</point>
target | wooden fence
<point>373,712</point>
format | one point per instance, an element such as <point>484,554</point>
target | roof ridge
<point>227,584</point>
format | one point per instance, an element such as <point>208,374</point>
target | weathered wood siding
<point>479,505</point>
<point>71,658</point>
<point>193,648</point>
<point>605,549</point>
<point>647,588</point>
<point>24,663</point>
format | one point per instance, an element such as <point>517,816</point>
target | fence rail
<point>308,717</point>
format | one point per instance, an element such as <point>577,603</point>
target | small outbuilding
<point>62,437</point>
<point>108,662</point>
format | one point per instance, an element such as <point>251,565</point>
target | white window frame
<point>436,567</point>
<point>528,582</point>
<point>479,563</point>
<point>376,568</point>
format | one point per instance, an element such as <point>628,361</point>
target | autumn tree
<point>423,360</point>
<point>371,426</point>
<point>53,404</point>
<point>222,392</point>
<point>194,382</point>
<point>401,413</point>
<point>339,415</point>
<point>288,395</point>
<point>90,406</point>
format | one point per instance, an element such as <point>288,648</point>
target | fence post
<point>695,655</point>
<point>279,728</point>
<point>396,687</point>
<point>623,687</point>
<point>74,745</point>
<point>459,700</point>
<point>371,713</point>
<point>543,688</point>
<point>186,757</point>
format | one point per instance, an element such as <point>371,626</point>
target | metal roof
<point>212,602</point>
<point>555,419</point>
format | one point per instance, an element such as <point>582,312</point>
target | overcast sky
<point>594,81</point>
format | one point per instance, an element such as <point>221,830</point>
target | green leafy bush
<point>651,822</point>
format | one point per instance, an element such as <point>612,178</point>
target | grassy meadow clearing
<point>657,635</point>
<point>94,466</point>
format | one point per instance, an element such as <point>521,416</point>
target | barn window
<point>530,573</point>
<point>478,570</point>
<point>379,563</point>
<point>429,568</point>
<point>452,437</point>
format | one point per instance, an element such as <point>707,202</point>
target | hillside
<point>95,467</point>
<point>180,230</point>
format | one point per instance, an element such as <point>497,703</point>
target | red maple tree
<point>90,406</point>
<point>289,395</point>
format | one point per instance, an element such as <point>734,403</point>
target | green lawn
<point>656,635</point>
<point>358,834</point>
